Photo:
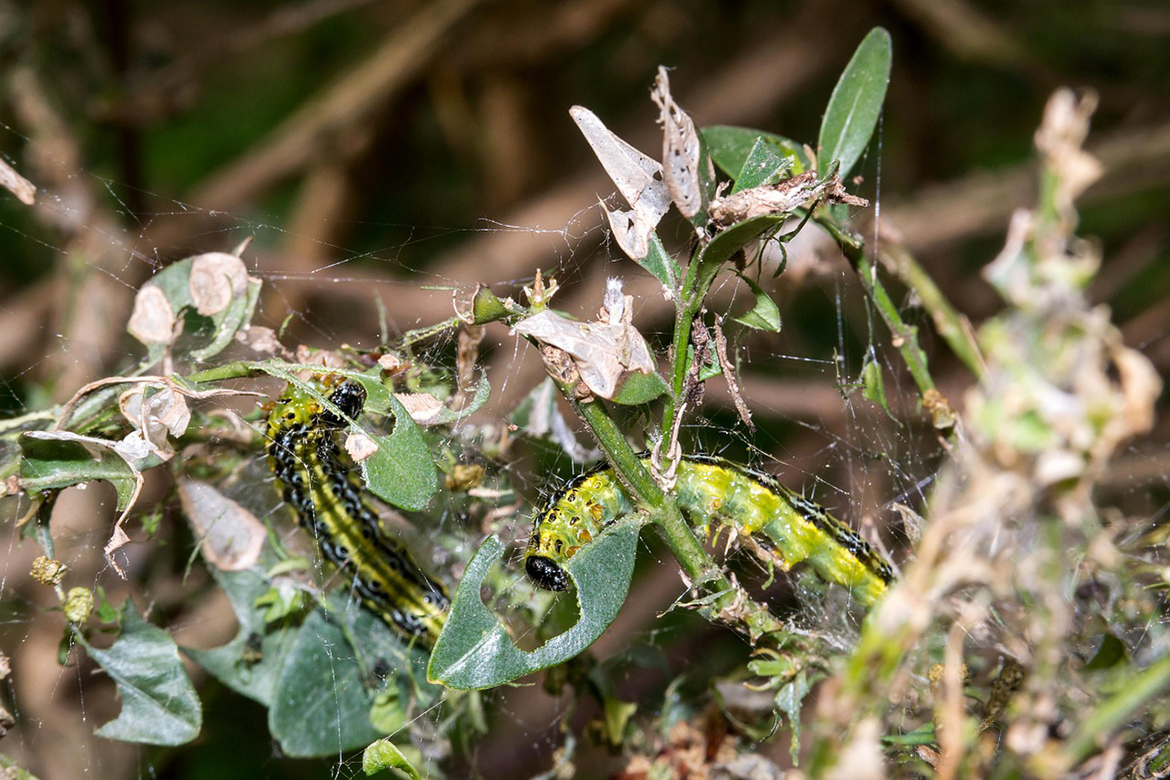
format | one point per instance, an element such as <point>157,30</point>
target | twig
<point>745,413</point>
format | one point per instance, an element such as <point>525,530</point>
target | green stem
<point>691,555</point>
<point>619,453</point>
<point>694,292</point>
<point>237,369</point>
<point>950,324</point>
<point>905,336</point>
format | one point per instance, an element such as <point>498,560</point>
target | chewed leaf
<point>401,472</point>
<point>214,287</point>
<point>637,177</point>
<point>311,719</point>
<point>57,459</point>
<point>474,651</point>
<point>159,704</point>
<point>688,170</point>
<point>250,662</point>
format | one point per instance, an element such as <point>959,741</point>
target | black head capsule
<point>545,573</point>
<point>350,398</point>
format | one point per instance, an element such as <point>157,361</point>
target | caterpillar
<point>328,499</point>
<point>714,493</point>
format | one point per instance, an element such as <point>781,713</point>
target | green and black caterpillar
<point>780,525</point>
<point>328,498</point>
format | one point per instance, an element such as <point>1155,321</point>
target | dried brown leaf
<point>216,278</point>
<point>153,319</point>
<point>681,151</point>
<point>230,536</point>
<point>604,352</point>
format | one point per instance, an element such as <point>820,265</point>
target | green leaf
<point>320,705</point>
<point>53,463</point>
<point>486,307</point>
<point>159,704</point>
<point>401,472</point>
<point>474,650</point>
<point>322,694</point>
<point>327,686</point>
<point>107,613</point>
<point>923,735</point>
<point>283,601</point>
<point>1111,653</point>
<point>639,388</point>
<point>789,700</point>
<point>660,264</point>
<point>731,146</point>
<point>764,315</point>
<point>856,103</point>
<point>250,663</point>
<point>384,754</point>
<point>762,166</point>
<point>873,386</point>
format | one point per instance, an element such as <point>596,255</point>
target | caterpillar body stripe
<point>329,501</point>
<point>714,493</point>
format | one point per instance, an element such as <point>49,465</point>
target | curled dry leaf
<point>392,364</point>
<point>1060,140</point>
<point>638,178</point>
<point>681,151</point>
<point>313,357</point>
<point>604,352</point>
<point>153,319</point>
<point>782,197</point>
<point>216,277</point>
<point>230,536</point>
<point>165,411</point>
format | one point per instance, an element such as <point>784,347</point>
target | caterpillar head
<point>545,573</point>
<point>298,408</point>
<point>349,397</point>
